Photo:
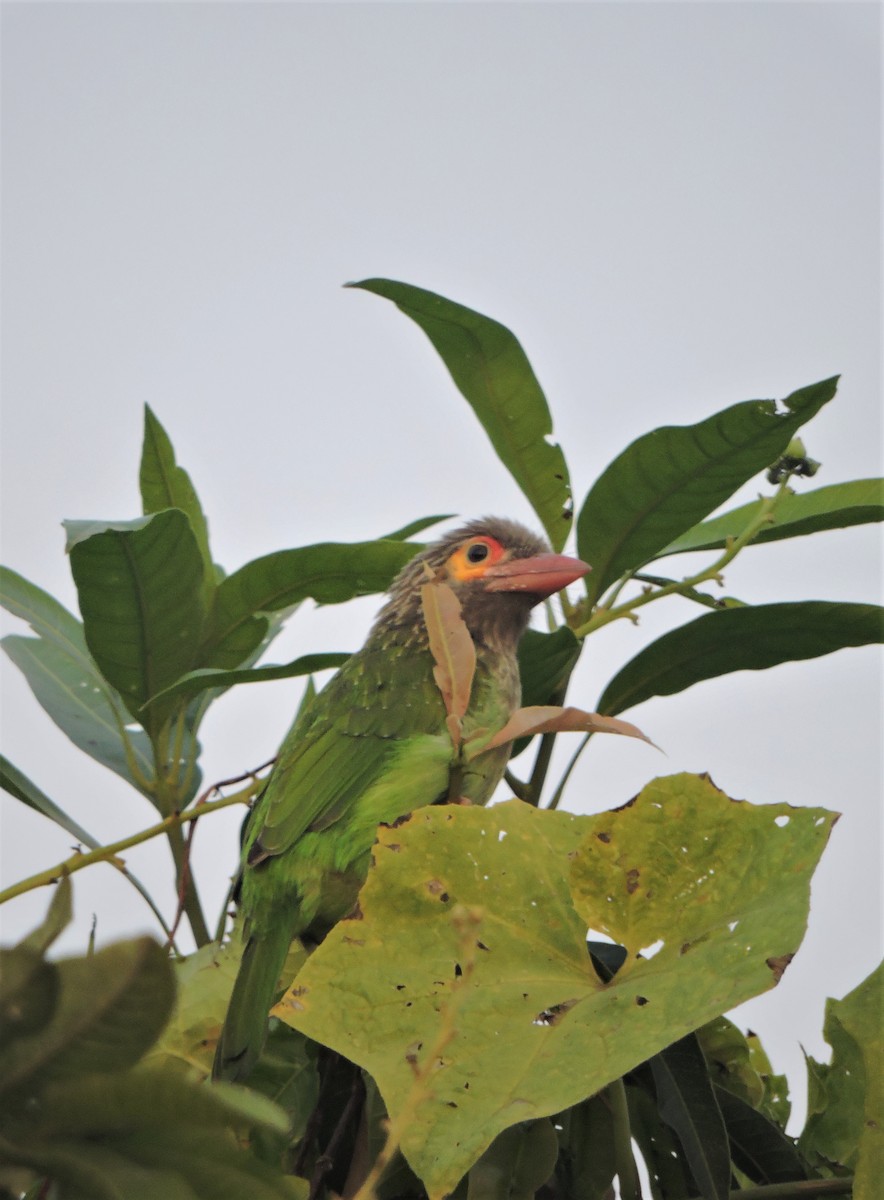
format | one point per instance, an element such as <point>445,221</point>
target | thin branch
<point>78,861</point>
<point>800,1189</point>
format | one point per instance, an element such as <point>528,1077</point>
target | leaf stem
<point>605,615</point>
<point>78,861</point>
<point>800,1189</point>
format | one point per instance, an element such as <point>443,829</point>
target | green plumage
<point>369,748</point>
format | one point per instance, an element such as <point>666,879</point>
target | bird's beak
<point>541,575</point>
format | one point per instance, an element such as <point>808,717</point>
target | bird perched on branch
<point>376,744</point>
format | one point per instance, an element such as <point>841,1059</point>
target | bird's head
<point>497,568</point>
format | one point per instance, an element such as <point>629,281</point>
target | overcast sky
<point>674,206</point>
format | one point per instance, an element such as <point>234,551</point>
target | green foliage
<point>463,1020</point>
<point>78,1105</point>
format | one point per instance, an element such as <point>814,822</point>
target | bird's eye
<point>478,552</point>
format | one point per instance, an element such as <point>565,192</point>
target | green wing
<point>350,736</point>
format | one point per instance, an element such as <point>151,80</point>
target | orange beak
<point>542,575</point>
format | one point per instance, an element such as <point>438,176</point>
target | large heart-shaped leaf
<point>492,372</point>
<point>749,638</point>
<point>468,961</point>
<point>671,478</point>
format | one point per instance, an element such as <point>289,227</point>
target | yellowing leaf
<point>453,651</point>
<point>533,1028</point>
<point>550,718</point>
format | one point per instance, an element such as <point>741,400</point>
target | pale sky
<point>675,207</point>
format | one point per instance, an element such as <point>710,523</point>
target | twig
<point>800,1189</point>
<point>184,875</point>
<point>79,861</point>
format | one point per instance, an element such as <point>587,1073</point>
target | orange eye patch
<point>473,558</point>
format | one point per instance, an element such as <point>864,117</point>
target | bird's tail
<point>245,1026</point>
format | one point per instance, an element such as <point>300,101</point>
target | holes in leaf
<point>782,820</point>
<point>650,951</point>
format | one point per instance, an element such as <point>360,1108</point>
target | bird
<point>374,745</point>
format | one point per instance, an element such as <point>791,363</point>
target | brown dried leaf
<point>452,648</point>
<point>550,718</point>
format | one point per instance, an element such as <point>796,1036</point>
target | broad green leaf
<point>587,1160</point>
<point>166,485</point>
<point>84,707</point>
<point>17,784</point>
<point>668,480</point>
<point>214,1167</point>
<point>88,1170</point>
<point>28,993</point>
<point>835,507</point>
<point>775,1102</point>
<point>328,572</point>
<point>45,616</point>
<point>687,1104</point>
<point>204,981</point>
<point>546,661</point>
<point>204,678</point>
<point>140,591</point>
<point>668,1171</point>
<point>111,1008</point>
<point>749,638</point>
<point>727,1052</point>
<point>492,372</point>
<point>518,1162</point>
<point>467,924</point>
<point>150,1098</point>
<point>759,1148</point>
<point>846,1123</point>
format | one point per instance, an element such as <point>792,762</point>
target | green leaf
<point>328,572</point>
<point>66,681</point>
<point>835,507</point>
<point>518,990</point>
<point>726,1050</point>
<point>668,480</point>
<point>587,1160</point>
<point>413,527</point>
<point>28,993</point>
<point>17,784</point>
<point>166,485</point>
<point>140,591</point>
<point>759,1148</point>
<point>206,677</point>
<point>687,1104</point>
<point>111,1007</point>
<point>845,1123</point>
<point>518,1162</point>
<point>45,615</point>
<point>492,372</point>
<point>668,1171</point>
<point>749,638</point>
<point>84,707</point>
<point>56,920</point>
<point>546,661</point>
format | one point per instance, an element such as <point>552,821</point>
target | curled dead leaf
<point>453,651</point>
<point>550,718</point>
